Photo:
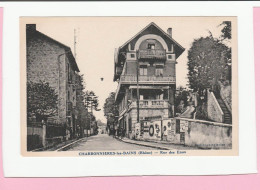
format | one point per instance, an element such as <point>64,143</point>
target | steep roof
<point>178,47</point>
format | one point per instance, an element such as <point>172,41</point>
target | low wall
<point>35,136</point>
<point>213,109</point>
<point>189,132</point>
<point>204,134</point>
<point>42,136</point>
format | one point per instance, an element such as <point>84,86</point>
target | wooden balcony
<point>145,80</point>
<point>150,104</point>
<point>146,104</point>
<point>158,54</point>
<point>132,79</point>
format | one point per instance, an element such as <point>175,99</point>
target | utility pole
<point>75,44</point>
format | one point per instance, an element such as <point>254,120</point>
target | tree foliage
<point>91,100</point>
<point>207,63</point>
<point>181,99</point>
<point>226,30</point>
<point>111,109</point>
<point>42,100</point>
<point>80,106</point>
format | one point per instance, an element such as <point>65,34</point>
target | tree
<point>181,99</point>
<point>207,61</point>
<point>42,100</point>
<point>80,106</point>
<point>111,110</point>
<point>91,101</point>
<point>226,30</point>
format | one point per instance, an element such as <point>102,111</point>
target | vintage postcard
<point>129,86</point>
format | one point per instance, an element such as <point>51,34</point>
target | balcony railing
<point>152,54</point>
<point>146,79</point>
<point>150,104</point>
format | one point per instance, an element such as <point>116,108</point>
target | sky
<point>97,38</point>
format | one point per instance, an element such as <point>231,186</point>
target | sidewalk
<point>162,145</point>
<point>59,146</point>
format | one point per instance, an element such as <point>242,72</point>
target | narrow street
<point>102,142</point>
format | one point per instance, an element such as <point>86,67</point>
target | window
<point>69,76</point>
<point>151,46</point>
<point>159,97</point>
<point>130,124</point>
<point>132,55</point>
<point>169,56</point>
<point>143,70</point>
<point>159,70</point>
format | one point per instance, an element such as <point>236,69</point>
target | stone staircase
<point>227,114</point>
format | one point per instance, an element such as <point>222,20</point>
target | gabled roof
<point>66,48</point>
<point>163,32</point>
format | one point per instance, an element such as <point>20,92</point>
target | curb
<point>151,146</point>
<point>67,145</point>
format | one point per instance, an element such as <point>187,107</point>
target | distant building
<point>51,61</point>
<point>145,66</point>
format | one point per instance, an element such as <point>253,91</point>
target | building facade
<point>53,62</point>
<point>146,74</point>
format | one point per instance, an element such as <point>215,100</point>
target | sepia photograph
<point>129,86</point>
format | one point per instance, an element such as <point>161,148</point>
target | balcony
<point>152,54</point>
<point>132,79</point>
<point>150,104</point>
<point>145,80</point>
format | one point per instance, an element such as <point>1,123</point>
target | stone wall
<point>204,134</point>
<point>46,62</point>
<point>213,109</point>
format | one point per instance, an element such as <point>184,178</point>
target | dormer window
<point>151,46</point>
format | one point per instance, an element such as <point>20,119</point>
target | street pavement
<point>103,142</point>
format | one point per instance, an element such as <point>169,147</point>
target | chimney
<point>169,31</point>
<point>30,27</point>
